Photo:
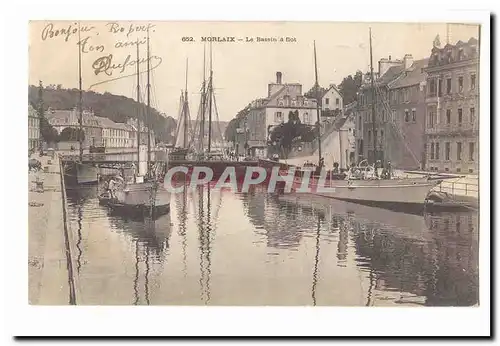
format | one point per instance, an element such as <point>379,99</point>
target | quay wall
<point>51,277</point>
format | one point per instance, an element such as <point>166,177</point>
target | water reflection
<point>422,256</point>
<point>316,262</point>
<point>259,249</point>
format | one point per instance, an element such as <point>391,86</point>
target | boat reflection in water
<point>151,242</point>
<point>100,237</point>
<point>217,247</point>
<point>410,259</point>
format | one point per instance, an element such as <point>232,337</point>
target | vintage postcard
<point>254,163</point>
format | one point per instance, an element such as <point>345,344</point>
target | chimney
<point>408,61</point>
<point>278,77</point>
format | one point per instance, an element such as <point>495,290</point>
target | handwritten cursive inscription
<point>116,28</point>
<point>51,31</point>
<point>105,64</point>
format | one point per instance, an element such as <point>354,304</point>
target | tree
<point>117,108</point>
<point>47,131</point>
<point>350,86</point>
<point>316,93</point>
<point>71,134</point>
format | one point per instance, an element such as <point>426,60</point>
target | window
<point>382,135</point>
<point>432,87</point>
<point>472,115</point>
<point>473,81</point>
<point>459,116</point>
<point>431,117</point>
<point>459,151</point>
<point>448,86</point>
<point>327,101</point>
<point>460,84</point>
<point>440,87</point>
<point>406,94</point>
<point>414,115</point>
<point>278,117</point>
<point>407,115</point>
<point>369,136</point>
<point>432,151</point>
<point>437,151</point>
<point>306,118</point>
<point>471,151</point>
<point>447,150</point>
<point>448,116</point>
<point>337,101</point>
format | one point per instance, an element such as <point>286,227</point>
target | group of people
<point>112,184</point>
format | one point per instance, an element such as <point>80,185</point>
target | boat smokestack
<point>278,77</point>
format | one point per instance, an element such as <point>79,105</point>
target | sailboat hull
<point>378,192</point>
<point>139,200</point>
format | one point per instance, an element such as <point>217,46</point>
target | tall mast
<point>373,106</point>
<point>210,95</point>
<point>203,100</point>
<point>138,109</point>
<point>186,108</point>
<point>149,104</point>
<point>317,105</point>
<point>80,102</point>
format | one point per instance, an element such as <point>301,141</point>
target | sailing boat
<point>195,146</point>
<point>85,173</point>
<point>363,184</point>
<point>147,194</point>
<point>181,137</point>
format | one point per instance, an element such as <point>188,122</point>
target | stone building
<point>398,129</point>
<point>267,113</point>
<point>388,72</point>
<point>452,108</point>
<point>61,119</point>
<point>34,136</point>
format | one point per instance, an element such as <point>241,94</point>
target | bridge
<point>112,158</point>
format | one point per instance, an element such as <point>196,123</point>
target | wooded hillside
<point>114,107</point>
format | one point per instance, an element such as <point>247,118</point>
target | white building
<point>332,102</point>
<point>33,128</point>
<point>117,135</point>
<point>267,113</point>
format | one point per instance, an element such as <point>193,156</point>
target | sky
<point>241,69</point>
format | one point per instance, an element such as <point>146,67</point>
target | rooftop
<point>412,76</point>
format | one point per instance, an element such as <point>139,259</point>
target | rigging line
<point>217,118</point>
<point>395,126</point>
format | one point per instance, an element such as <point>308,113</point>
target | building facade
<point>34,136</point>
<point>452,108</point>
<point>144,132</point>
<point>405,129</point>
<point>397,132</point>
<point>266,114</point>
<point>117,135</point>
<point>332,102</point>
<point>372,128</point>
<point>61,119</point>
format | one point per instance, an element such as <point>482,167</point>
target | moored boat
<point>146,194</point>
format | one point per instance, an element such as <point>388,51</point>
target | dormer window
<point>461,54</point>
